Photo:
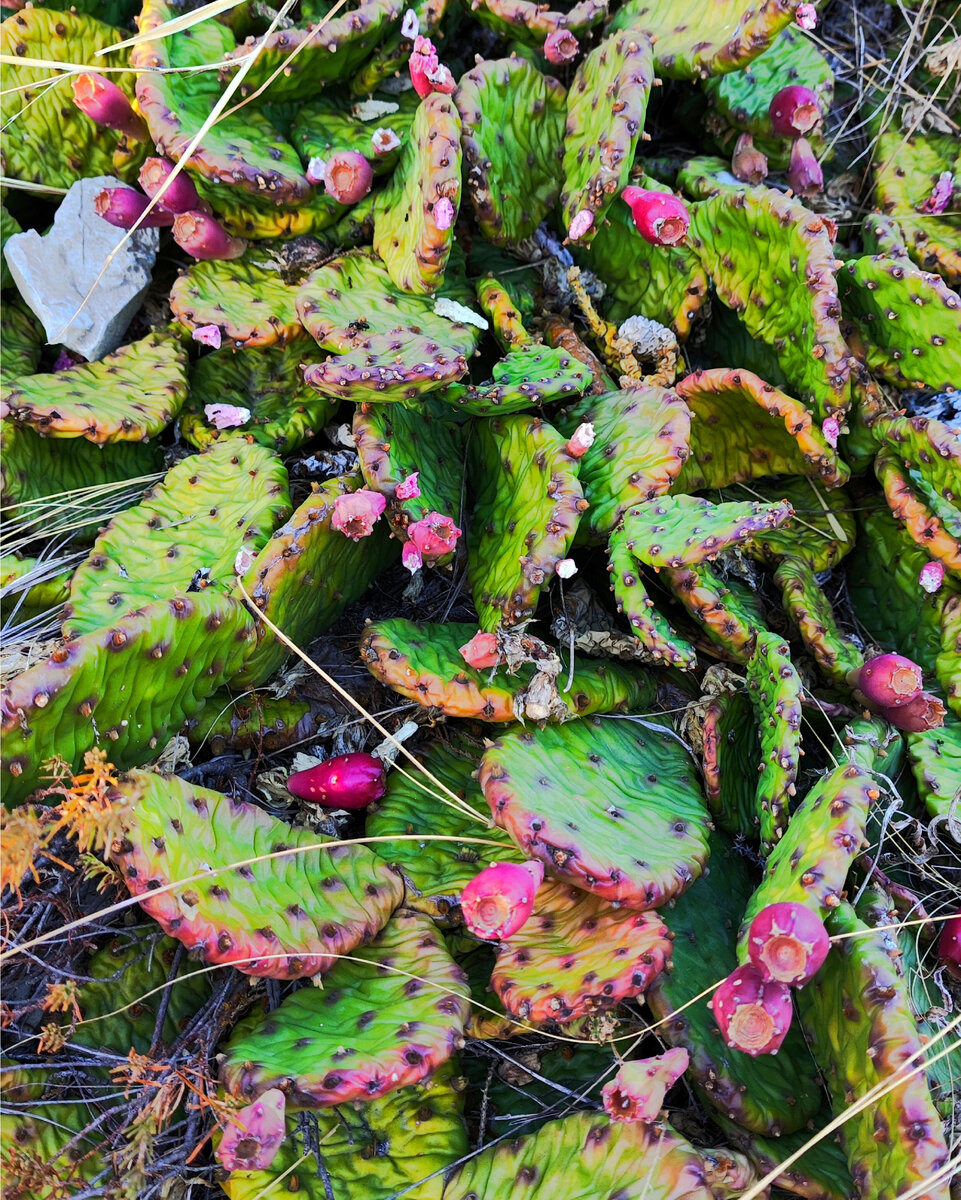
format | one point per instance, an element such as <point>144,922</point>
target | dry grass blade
<point>27,185</point>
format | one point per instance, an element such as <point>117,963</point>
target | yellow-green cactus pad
<point>245,297</point>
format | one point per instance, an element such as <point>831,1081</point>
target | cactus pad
<point>531,24</point>
<point>608,805</point>
<point>812,615</point>
<point>281,918</point>
<point>326,126</point>
<point>822,531</point>
<point>527,376</point>
<point>21,343</point>
<point>775,690</point>
<point>258,722</point>
<point>821,1173</point>
<point>726,619</point>
<point>386,1017</point>
<point>247,299</point>
<point>387,368</point>
<point>630,595</point>
<point>577,955</point>
<point>936,762</point>
<point>507,322</point>
<point>730,752</point>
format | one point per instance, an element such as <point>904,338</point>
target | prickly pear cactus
<point>258,722</point>
<point>936,763</point>
<point>396,368</point>
<point>50,1154</point>
<point>244,297</point>
<point>9,225</point>
<point>730,752</point>
<point>822,532</point>
<point>527,376</point>
<point>531,24</point>
<point>775,690</point>
<point>21,343</point>
<point>813,617</point>
<point>720,610</point>
<point>609,805</point>
<point>392,55</point>
<point>129,396</point>
<point>386,1017</point>
<point>280,917</point>
<point>647,624</point>
<point>327,126</point>
<point>820,1173</point>
<point>506,321</point>
<point>501,102</point>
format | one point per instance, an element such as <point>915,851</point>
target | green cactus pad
<point>606,107</point>
<point>391,368</point>
<point>721,611</point>
<point>326,126</point>
<point>630,595</point>
<point>811,614</point>
<point>91,690</point>
<point>911,321</point>
<point>30,582</point>
<point>9,225</point>
<point>725,37</point>
<point>530,23</point>
<point>577,955</point>
<point>608,805</point>
<point>385,1018</point>
<point>936,762</point>
<point>527,376</point>
<point>242,150</point>
<point>129,396</point>
<point>822,531</point>
<point>782,287</point>
<point>208,508</point>
<point>768,1094</point>
<point>730,752</point>
<point>407,235</point>
<point>307,574</point>
<point>640,444</point>
<point>281,918</point>
<point>511,193</point>
<point>256,722</point>
<point>507,322</point>
<point>21,342</point>
<point>775,690</point>
<point>857,1016</point>
<point>821,1173</point>
<point>48,139</point>
<point>436,872</point>
<point>423,663</point>
<point>245,297</point>
<point>744,428</point>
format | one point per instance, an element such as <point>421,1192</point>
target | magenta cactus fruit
<point>794,111</point>
<point>431,537</point>
<point>481,651</point>
<point>748,163</point>
<point>923,712</point>
<point>889,680</point>
<point>560,47</point>
<point>660,217</point>
<point>409,489</point>
<point>180,197</point>
<point>940,199</point>
<point>787,942</point>
<point>949,945</point>
<point>348,176</point>
<point>351,781</point>
<point>804,172</point>
<point>104,103</point>
<point>203,237</point>
<point>124,208</point>
<point>254,1133</point>
<point>427,72</point>
<point>637,1091</point>
<point>753,1013</point>
<point>499,899</point>
<point>354,514</point>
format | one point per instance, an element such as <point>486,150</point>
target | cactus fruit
<point>949,944</point>
<point>637,1091</point>
<point>775,690</point>
<point>356,513</point>
<point>350,781</point>
<point>126,209</point>
<point>386,1017</point>
<point>811,613</point>
<point>179,196</point>
<point>577,955</point>
<point>889,680</point>
<point>607,805</point>
<point>787,942</point>
<point>107,105</point>
<point>282,918</point>
<point>804,175</point>
<point>326,127</point>
<point>795,111</point>
<point>918,715</point>
<point>245,298</point>
<point>748,163</point>
<point>253,1133</point>
<point>659,217</point>
<point>348,176</point>
<point>752,1012</point>
<point>498,900</point>
<point>204,238</point>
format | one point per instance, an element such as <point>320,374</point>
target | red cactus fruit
<point>661,218</point>
<point>949,945</point>
<point>748,163</point>
<point>181,196</point>
<point>427,72</point>
<point>203,237</point>
<point>123,207</point>
<point>351,781</point>
<point>794,111</point>
<point>804,172</point>
<point>348,176</point>
<point>788,943</point>
<point>103,102</point>
<point>923,712</point>
<point>637,1091</point>
<point>254,1133</point>
<point>560,47</point>
<point>354,514</point>
<point>753,1013</point>
<point>498,900</point>
<point>889,680</point>
<point>481,651</point>
<point>431,537</point>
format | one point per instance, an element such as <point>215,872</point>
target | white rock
<point>445,307</point>
<point>55,272</point>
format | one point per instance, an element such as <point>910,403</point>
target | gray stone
<point>55,272</point>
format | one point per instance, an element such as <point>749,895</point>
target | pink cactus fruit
<point>931,576</point>
<point>498,900</point>
<point>807,17</point>
<point>794,111</point>
<point>203,237</point>
<point>889,680</point>
<point>949,945</point>
<point>431,537</point>
<point>124,208</point>
<point>581,222</point>
<point>753,1013</point>
<point>254,1134</point>
<point>637,1091</point>
<point>354,514</point>
<point>560,47</point>
<point>940,199</point>
<point>408,489</point>
<point>660,217</point>
<point>481,651</point>
<point>787,942</point>
<point>581,440</point>
<point>923,712</point>
<point>351,781</point>
<point>348,176</point>
<point>444,213</point>
<point>181,195</point>
<point>103,102</point>
<point>384,140</point>
<point>804,172</point>
<point>208,335</point>
<point>427,72</point>
<point>748,163</point>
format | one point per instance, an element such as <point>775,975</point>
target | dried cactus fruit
<point>744,428</point>
<point>730,751</point>
<point>577,955</point>
<point>630,595</point>
<point>424,663</point>
<point>721,611</point>
<point>281,918</point>
<point>254,1133</point>
<point>414,217</point>
<point>787,297</point>
<point>936,763</point>
<point>129,396</point>
<point>208,508</point>
<point>775,690</point>
<point>857,1017</point>
<point>812,615</point>
<point>245,298</point>
<point>637,1091</point>
<point>386,1017</point>
<point>254,722</point>
<point>606,107</point>
<point>511,195</point>
<point>528,505</point>
<point>527,376</point>
<point>91,689</point>
<point>610,806</point>
<point>21,343</point>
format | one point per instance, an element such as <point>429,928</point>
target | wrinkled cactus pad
<point>244,297</point>
<point>775,690</point>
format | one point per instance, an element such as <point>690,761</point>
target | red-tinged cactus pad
<point>91,690</point>
<point>650,628</point>
<point>775,690</point>
<point>726,619</point>
<point>606,107</point>
<point>349,781</point>
<point>788,942</point>
<point>281,918</point>
<point>608,805</point>
<point>531,23</point>
<point>246,297</point>
<point>744,428</point>
<point>424,663</point>
<point>933,523</point>
<point>386,1017</point>
<point>637,1091</point>
<point>253,1133</point>
<point>753,1014</point>
<point>129,396</point>
<point>889,680</point>
<point>936,763</point>
<point>857,1018</point>
<point>209,507</point>
<point>813,617</point>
